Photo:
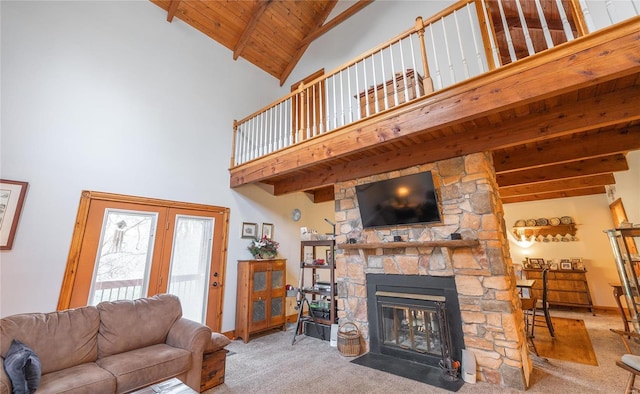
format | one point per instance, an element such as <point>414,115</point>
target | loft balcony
<point>549,87</point>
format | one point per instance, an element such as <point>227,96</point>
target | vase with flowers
<point>263,248</point>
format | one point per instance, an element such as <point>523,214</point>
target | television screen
<point>404,200</point>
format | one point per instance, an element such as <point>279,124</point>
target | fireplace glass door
<point>411,328</point>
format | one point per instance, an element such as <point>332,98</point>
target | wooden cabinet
<point>260,302</point>
<point>565,287</point>
<point>388,92</point>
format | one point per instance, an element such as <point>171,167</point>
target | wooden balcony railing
<point>470,38</point>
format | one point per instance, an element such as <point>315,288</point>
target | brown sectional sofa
<point>114,347</point>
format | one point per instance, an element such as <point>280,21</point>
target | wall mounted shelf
<point>527,232</point>
<point>366,249</point>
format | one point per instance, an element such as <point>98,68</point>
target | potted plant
<point>263,248</point>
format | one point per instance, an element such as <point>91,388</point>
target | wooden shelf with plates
<point>527,232</point>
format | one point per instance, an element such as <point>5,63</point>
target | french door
<point>129,247</point>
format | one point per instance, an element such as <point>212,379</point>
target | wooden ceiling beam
<point>173,8</point>
<point>599,165</point>
<point>305,44</point>
<point>562,194</point>
<point>553,151</point>
<point>558,185</point>
<point>349,12</point>
<point>323,194</point>
<point>260,8</point>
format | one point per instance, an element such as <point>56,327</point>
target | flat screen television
<point>407,199</point>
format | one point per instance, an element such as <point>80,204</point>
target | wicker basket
<point>348,341</point>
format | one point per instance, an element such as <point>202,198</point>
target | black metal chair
<point>541,314</point>
<point>529,310</point>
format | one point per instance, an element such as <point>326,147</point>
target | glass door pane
<point>124,256</point>
<point>190,264</point>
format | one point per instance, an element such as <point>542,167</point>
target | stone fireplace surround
<point>492,320</point>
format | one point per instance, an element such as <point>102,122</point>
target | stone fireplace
<point>487,322</point>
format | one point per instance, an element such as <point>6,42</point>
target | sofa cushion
<point>60,339</point>
<point>142,367</point>
<point>23,367</point>
<point>86,378</point>
<point>217,342</point>
<point>131,324</point>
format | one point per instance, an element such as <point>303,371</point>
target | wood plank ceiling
<point>271,34</point>
<point>274,34</point>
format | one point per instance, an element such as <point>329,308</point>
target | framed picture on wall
<point>249,230</point>
<point>267,230</point>
<point>12,194</point>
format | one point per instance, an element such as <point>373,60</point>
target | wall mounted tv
<point>407,199</point>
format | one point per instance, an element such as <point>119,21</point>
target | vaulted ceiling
<point>274,34</point>
<point>271,34</point>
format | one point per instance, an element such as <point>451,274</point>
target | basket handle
<point>347,323</point>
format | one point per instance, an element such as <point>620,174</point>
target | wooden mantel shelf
<point>446,243</point>
<point>368,248</point>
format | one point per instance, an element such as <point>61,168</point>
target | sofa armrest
<point>189,335</point>
<point>194,337</point>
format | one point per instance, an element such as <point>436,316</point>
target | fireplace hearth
<point>415,328</point>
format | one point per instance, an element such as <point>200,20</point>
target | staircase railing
<point>468,39</point>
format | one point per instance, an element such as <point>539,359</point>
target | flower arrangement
<point>263,248</point>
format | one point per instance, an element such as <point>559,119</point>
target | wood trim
<point>73,259</point>
<point>172,9</point>
<point>349,12</point>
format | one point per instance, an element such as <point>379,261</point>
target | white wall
<point>108,96</point>
<point>592,215</point>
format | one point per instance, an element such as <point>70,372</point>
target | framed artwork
<point>577,264</point>
<point>267,230</point>
<point>249,230</point>
<point>536,262</point>
<point>12,195</point>
<point>565,265</point>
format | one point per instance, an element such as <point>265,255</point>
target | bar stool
<point>542,309</point>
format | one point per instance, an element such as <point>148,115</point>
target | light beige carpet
<point>270,364</point>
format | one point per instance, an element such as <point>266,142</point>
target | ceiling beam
<point>349,12</point>
<point>558,185</point>
<point>173,8</point>
<point>258,10</point>
<point>305,44</point>
<point>591,145</point>
<point>599,165</point>
<point>323,194</point>
<point>562,194</point>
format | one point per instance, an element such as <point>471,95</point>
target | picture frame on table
<point>267,230</point>
<point>249,230</point>
<point>565,265</point>
<point>577,264</point>
<point>12,195</point>
<point>536,262</point>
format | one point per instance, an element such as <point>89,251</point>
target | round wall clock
<point>296,215</point>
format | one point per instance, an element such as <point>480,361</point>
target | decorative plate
<point>531,222</point>
<point>566,220</point>
<point>542,222</point>
<point>296,214</point>
<point>520,223</point>
<point>554,221</point>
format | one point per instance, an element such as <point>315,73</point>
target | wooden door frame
<point>79,229</point>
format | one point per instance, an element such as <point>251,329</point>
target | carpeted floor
<point>270,364</point>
